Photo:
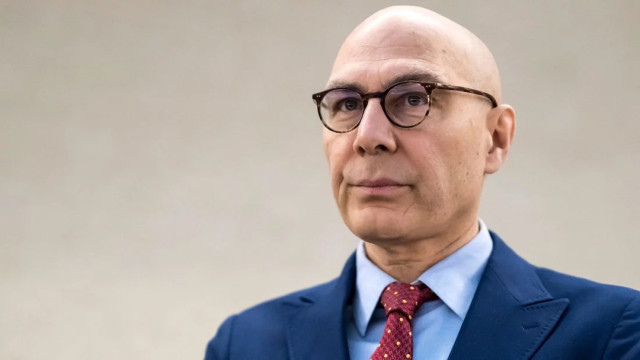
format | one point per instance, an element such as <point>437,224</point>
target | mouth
<point>379,187</point>
<point>377,183</point>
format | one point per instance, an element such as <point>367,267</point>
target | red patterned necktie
<point>400,301</point>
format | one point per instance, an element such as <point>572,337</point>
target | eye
<point>416,99</point>
<point>349,104</point>
<point>341,105</point>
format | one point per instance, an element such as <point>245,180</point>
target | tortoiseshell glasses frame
<point>405,104</point>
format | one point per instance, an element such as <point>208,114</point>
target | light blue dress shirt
<point>436,323</point>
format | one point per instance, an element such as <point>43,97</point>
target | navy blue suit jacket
<point>518,312</point>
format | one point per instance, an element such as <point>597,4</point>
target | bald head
<point>408,161</point>
<point>420,37</point>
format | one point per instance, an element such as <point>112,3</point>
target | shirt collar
<point>454,279</point>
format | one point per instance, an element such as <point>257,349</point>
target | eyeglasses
<point>405,104</point>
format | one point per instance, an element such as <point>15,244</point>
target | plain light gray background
<point>161,163</point>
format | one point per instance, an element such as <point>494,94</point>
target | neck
<point>405,262</point>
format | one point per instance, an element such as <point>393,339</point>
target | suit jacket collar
<point>510,317</point>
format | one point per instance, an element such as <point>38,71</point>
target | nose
<point>375,134</point>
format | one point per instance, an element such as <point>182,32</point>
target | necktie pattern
<point>400,301</point>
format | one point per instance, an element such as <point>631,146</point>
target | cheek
<point>335,152</point>
<point>465,165</point>
<point>451,165</point>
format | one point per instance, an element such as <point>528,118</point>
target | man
<point>413,124</point>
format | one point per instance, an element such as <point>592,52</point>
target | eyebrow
<point>422,76</point>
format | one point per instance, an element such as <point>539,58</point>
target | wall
<point>161,167</point>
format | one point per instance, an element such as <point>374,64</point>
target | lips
<point>377,183</point>
<point>379,189</point>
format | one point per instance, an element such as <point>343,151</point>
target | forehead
<point>368,76</point>
<point>372,59</point>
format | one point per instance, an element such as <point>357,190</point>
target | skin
<point>413,194</point>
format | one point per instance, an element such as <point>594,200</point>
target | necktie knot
<point>400,301</point>
<point>405,298</point>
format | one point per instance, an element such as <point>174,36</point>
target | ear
<point>501,124</point>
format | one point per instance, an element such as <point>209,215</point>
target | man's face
<point>403,185</point>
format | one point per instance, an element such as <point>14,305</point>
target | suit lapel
<point>512,313</point>
<point>511,316</point>
<point>316,328</point>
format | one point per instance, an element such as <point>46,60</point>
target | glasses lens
<point>407,104</point>
<point>341,109</point>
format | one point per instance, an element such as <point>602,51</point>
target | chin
<point>376,227</point>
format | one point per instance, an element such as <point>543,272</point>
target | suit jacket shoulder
<point>521,311</point>
<point>289,326</point>
<point>601,319</point>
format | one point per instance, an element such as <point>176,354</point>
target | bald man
<point>413,123</point>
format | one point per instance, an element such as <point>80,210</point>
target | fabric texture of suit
<point>519,311</point>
